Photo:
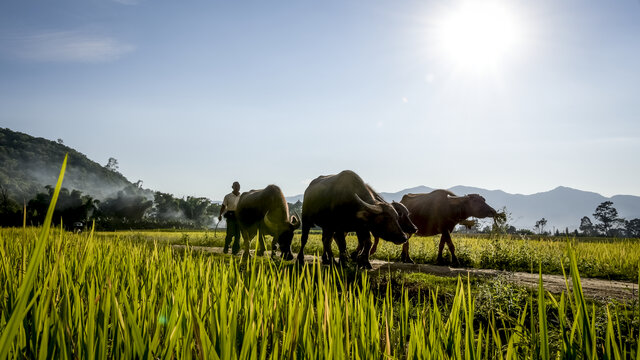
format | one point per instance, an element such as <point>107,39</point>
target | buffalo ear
<point>363,215</point>
<point>294,223</point>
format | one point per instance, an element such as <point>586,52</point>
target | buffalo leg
<point>356,252</point>
<point>405,254</point>
<point>342,246</point>
<point>375,245</point>
<point>440,248</point>
<point>303,240</point>
<point>364,239</point>
<point>327,254</point>
<point>452,249</point>
<point>285,249</point>
<point>247,236</point>
<point>261,245</point>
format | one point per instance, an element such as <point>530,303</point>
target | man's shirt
<point>231,201</point>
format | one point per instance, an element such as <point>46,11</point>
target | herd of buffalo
<point>344,203</point>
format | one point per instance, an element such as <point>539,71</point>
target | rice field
<point>82,296</point>
<point>99,296</point>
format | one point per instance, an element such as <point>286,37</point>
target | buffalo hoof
<point>260,252</point>
<point>440,261</point>
<point>455,261</point>
<point>328,261</point>
<point>344,260</point>
<point>286,256</point>
<point>300,258</point>
<point>363,263</point>
<point>354,255</point>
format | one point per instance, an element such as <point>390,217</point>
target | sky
<point>189,96</point>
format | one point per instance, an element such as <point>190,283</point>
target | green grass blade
<point>14,323</point>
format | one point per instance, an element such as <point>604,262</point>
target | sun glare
<point>478,35</point>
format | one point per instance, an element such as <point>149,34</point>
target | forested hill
<point>28,164</point>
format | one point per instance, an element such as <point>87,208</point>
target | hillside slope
<point>28,163</point>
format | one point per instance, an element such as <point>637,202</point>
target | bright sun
<point>479,35</point>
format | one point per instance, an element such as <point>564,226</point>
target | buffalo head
<point>286,237</point>
<point>382,220</point>
<point>405,222</point>
<point>476,206</point>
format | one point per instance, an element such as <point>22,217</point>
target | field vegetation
<point>130,295</point>
<point>85,296</point>
<point>605,258</point>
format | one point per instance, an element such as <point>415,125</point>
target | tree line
<point>130,208</point>
<point>607,223</point>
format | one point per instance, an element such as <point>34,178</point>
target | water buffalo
<point>266,212</point>
<point>438,212</point>
<point>405,223</point>
<point>343,203</point>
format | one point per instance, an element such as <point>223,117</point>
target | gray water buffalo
<point>438,212</point>
<point>266,212</point>
<point>343,203</point>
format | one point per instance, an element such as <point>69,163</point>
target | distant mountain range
<point>563,207</point>
<point>28,163</point>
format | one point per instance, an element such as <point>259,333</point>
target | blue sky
<point>190,96</point>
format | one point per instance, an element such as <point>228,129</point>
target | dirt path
<point>594,288</point>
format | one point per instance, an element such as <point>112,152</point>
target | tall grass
<point>78,296</point>
<point>117,298</point>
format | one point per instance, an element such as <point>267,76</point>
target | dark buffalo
<point>438,212</point>
<point>405,223</point>
<point>266,212</point>
<point>343,203</point>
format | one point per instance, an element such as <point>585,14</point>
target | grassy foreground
<point>102,298</point>
<point>612,259</point>
<point>79,296</point>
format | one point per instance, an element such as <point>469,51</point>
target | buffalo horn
<point>375,209</point>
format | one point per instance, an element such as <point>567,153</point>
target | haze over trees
<point>91,192</point>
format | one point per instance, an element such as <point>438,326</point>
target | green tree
<point>295,208</point>
<point>607,215</point>
<point>586,226</point>
<point>10,210</point>
<point>633,228</point>
<point>112,164</point>
<point>195,210</point>
<point>540,224</point>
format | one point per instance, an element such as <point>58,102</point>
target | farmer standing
<point>228,210</point>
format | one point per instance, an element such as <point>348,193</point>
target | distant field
<point>613,259</point>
